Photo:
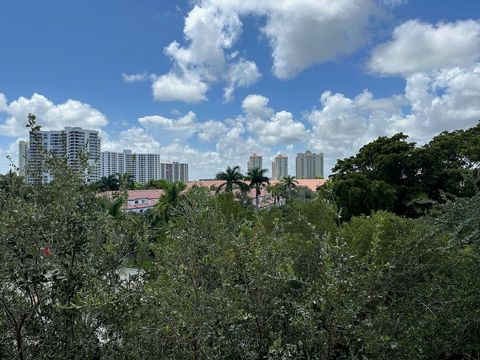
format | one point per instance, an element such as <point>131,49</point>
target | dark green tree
<point>258,180</point>
<point>110,183</point>
<point>232,177</point>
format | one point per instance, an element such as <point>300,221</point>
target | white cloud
<point>240,74</point>
<point>343,125</point>
<point>256,105</point>
<point>49,115</point>
<point>168,129</point>
<point>271,128</point>
<point>130,78</point>
<point>211,130</point>
<point>302,33</point>
<point>419,47</point>
<point>187,87</point>
<point>135,138</point>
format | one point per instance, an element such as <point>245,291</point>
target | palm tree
<point>257,181</point>
<point>231,176</point>
<point>276,191</point>
<point>126,181</point>
<point>289,183</point>
<point>171,195</point>
<point>110,183</point>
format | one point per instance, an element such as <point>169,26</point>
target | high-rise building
<point>309,165</point>
<point>280,167</point>
<point>113,163</point>
<point>22,158</point>
<point>73,142</point>
<point>255,162</point>
<point>175,172</point>
<point>143,167</point>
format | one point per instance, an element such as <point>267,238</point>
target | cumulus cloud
<point>49,115</point>
<point>445,99</point>
<point>301,33</point>
<point>418,47</point>
<point>271,128</point>
<point>240,74</point>
<point>135,138</point>
<point>186,87</point>
<point>208,34</point>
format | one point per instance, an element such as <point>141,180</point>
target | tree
<point>126,181</point>
<point>170,198</point>
<point>60,253</point>
<point>258,180</point>
<point>290,183</point>
<point>387,164</point>
<point>110,183</point>
<point>277,191</point>
<point>232,177</point>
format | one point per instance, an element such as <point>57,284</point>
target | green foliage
<point>258,180</point>
<point>395,175</point>
<point>220,280</point>
<point>172,192</point>
<point>110,183</point>
<point>232,177</point>
<point>60,252</point>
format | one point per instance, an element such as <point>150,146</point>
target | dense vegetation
<point>227,281</point>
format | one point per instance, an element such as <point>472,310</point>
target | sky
<point>209,82</point>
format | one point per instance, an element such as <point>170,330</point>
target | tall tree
<point>110,183</point>
<point>126,181</point>
<point>290,183</point>
<point>389,165</point>
<point>170,198</point>
<point>258,180</point>
<point>232,177</point>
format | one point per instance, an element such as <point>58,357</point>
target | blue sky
<point>210,81</point>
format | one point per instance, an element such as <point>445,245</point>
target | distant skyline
<point>209,82</point>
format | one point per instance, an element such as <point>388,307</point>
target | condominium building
<point>280,167</point>
<point>255,162</point>
<point>174,172</point>
<point>143,167</point>
<point>113,163</point>
<point>75,143</point>
<point>22,158</point>
<point>309,165</point>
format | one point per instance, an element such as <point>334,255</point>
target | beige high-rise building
<point>309,165</point>
<point>22,157</point>
<point>280,167</point>
<point>255,162</point>
<point>174,172</point>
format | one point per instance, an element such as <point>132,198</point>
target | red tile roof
<point>312,184</point>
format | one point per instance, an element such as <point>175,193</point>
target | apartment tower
<point>22,158</point>
<point>74,143</point>
<point>255,162</point>
<point>309,165</point>
<point>280,167</point>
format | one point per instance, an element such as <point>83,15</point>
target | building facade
<point>174,171</point>
<point>280,167</point>
<point>255,162</point>
<point>79,146</point>
<point>113,163</point>
<point>23,157</point>
<point>143,167</point>
<point>309,165</point>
